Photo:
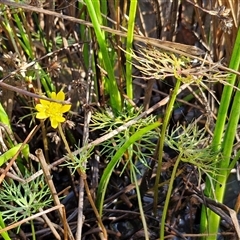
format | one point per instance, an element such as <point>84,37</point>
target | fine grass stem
<point>167,200</point>
<point>145,228</point>
<point>164,127</point>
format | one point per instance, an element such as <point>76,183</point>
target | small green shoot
<point>21,200</point>
<point>11,152</point>
<point>2,225</point>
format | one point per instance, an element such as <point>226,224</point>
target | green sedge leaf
<point>4,117</point>
<point>2,225</point>
<point>11,152</point>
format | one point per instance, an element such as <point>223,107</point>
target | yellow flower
<point>53,110</point>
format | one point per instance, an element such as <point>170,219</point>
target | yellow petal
<point>60,118</point>
<point>41,115</point>
<point>65,108</point>
<point>40,107</point>
<point>54,122</point>
<point>61,96</point>
<point>44,102</point>
<point>53,95</point>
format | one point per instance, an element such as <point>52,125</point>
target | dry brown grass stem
<point>16,155</point>
<point>47,175</point>
<point>19,223</point>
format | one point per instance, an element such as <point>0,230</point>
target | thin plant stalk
<point>50,225</point>
<point>207,216</point>
<point>85,183</point>
<point>9,30</point>
<point>130,34</point>
<point>104,11</point>
<point>45,141</point>
<point>62,213</point>
<point>33,230</point>
<point>115,97</point>
<point>167,117</point>
<point>26,39</point>
<point>167,200</point>
<point>87,118</point>
<point>143,219</point>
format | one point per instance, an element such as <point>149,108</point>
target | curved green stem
<point>102,187</point>
<point>168,114</point>
<point>145,228</point>
<point>170,187</point>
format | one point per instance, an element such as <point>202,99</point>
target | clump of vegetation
<point>105,123</point>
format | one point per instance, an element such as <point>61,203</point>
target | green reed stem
<point>167,117</point>
<point>130,33</point>
<point>115,97</point>
<point>209,220</point>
